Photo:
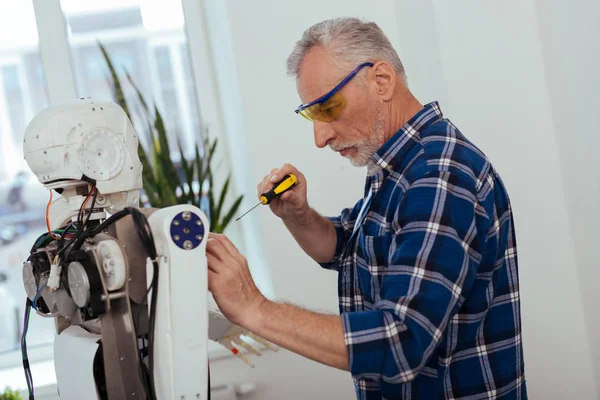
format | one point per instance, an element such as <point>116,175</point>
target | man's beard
<point>367,146</point>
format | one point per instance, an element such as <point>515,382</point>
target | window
<point>146,39</point>
<point>22,198</point>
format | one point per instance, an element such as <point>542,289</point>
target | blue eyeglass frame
<point>333,91</point>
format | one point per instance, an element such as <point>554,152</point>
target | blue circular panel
<point>190,230</point>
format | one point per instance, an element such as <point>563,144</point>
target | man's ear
<point>385,79</point>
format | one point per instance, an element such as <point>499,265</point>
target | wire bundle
<point>73,236</point>
<point>69,234</point>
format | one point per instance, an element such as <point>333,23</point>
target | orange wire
<point>55,237</point>
<point>89,196</point>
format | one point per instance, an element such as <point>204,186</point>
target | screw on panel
<point>187,216</point>
<point>187,245</point>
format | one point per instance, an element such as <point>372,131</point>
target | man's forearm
<point>316,236</point>
<point>316,336</point>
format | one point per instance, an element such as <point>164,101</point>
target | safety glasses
<point>327,108</point>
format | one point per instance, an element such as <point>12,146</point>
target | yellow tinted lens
<point>327,111</point>
<point>306,113</point>
<point>331,109</point>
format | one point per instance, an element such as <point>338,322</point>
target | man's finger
<point>283,171</point>
<point>289,197</point>
<point>212,277</point>
<point>273,173</point>
<point>217,249</point>
<point>264,186</point>
<point>214,264</point>
<point>223,239</point>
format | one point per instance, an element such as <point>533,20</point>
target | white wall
<point>498,96</point>
<point>485,64</point>
<point>574,83</point>
<point>263,33</point>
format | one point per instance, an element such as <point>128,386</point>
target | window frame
<point>55,51</point>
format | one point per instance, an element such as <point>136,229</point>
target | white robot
<point>127,287</point>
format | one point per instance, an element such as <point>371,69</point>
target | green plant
<point>10,395</point>
<point>164,184</point>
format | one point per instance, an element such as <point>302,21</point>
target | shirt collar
<point>396,148</point>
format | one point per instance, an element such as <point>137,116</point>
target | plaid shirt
<point>427,262</point>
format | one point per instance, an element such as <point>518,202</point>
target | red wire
<point>89,196</point>
<point>56,237</point>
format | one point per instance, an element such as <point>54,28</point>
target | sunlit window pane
<point>22,198</point>
<point>146,39</point>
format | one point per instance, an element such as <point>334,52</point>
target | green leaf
<point>139,95</point>
<point>211,203</point>
<point>219,206</point>
<point>118,89</point>
<point>147,174</point>
<point>211,153</point>
<point>164,153</point>
<point>188,169</point>
<point>200,177</point>
<point>232,211</point>
<point>9,394</point>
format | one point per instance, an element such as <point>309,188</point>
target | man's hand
<point>314,233</point>
<point>230,281</point>
<point>291,206</point>
<point>316,336</point>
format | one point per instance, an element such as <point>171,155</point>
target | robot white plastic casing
<point>181,348</point>
<point>72,143</point>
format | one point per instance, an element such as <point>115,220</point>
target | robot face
<point>84,140</point>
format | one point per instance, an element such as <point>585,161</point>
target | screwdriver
<point>288,182</point>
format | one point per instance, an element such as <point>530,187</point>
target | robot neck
<point>80,200</point>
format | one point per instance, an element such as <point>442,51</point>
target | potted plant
<point>10,395</point>
<point>167,183</point>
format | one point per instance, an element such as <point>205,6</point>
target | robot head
<point>85,141</point>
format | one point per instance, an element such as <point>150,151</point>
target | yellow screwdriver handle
<point>288,182</point>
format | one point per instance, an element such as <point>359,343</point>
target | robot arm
<point>130,289</point>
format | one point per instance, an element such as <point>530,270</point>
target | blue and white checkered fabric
<point>428,285</point>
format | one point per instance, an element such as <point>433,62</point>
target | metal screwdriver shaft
<point>288,182</point>
<point>240,217</point>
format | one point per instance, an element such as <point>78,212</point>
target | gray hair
<point>349,40</point>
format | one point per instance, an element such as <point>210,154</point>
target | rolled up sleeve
<point>432,261</point>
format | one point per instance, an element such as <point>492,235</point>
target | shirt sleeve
<point>344,225</point>
<point>432,262</point>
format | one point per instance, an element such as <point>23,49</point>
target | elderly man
<point>427,261</point>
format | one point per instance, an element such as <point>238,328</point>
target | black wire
<point>147,238</point>
<point>80,224</point>
<point>92,206</point>
<point>145,235</point>
<point>26,367</point>
<point>77,241</point>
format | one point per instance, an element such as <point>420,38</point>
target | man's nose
<point>323,133</point>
